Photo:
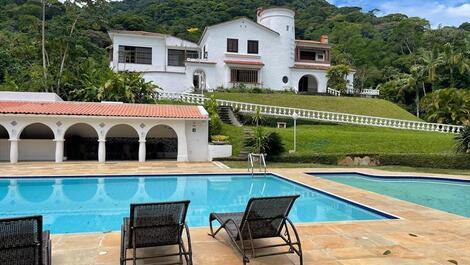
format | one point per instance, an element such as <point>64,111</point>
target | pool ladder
<point>252,158</point>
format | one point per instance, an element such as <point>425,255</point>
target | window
<point>232,45</point>
<point>244,76</point>
<point>285,79</point>
<point>252,47</point>
<point>320,57</point>
<point>192,54</point>
<point>137,55</point>
<point>178,57</point>
<point>308,55</point>
<point>205,54</point>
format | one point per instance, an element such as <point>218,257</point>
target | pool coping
<point>390,176</point>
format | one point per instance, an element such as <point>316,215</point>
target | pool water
<point>452,196</point>
<point>89,204</point>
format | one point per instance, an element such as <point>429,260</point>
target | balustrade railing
<point>308,114</point>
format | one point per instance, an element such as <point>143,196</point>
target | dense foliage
<point>463,140</point>
<point>402,54</point>
<point>448,106</point>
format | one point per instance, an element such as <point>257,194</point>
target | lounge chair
<point>22,241</point>
<point>155,225</point>
<point>264,217</point>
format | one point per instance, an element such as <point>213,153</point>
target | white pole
<point>295,131</point>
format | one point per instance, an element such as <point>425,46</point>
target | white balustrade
<point>317,115</point>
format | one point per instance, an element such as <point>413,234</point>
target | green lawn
<point>353,105</point>
<point>329,139</point>
<point>242,164</point>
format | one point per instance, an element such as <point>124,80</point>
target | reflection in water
<point>99,204</point>
<point>121,189</point>
<point>35,190</point>
<point>80,190</point>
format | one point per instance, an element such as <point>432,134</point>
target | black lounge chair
<point>264,217</point>
<point>155,225</point>
<point>22,241</point>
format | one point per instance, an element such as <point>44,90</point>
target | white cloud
<point>460,11</point>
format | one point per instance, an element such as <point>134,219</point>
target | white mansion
<point>262,54</point>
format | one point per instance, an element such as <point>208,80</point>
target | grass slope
<point>354,139</point>
<point>353,105</point>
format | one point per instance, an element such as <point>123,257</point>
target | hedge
<point>455,161</point>
<point>271,121</point>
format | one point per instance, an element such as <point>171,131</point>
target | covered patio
<point>60,131</point>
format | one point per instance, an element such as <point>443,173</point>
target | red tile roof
<point>244,62</point>
<point>101,109</point>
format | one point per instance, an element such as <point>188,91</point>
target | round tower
<point>282,21</point>
<point>279,19</point>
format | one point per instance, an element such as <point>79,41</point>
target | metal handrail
<point>262,163</point>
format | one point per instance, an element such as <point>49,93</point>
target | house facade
<point>263,54</point>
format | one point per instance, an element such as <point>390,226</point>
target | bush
<point>215,125</point>
<point>463,141</point>
<point>410,160</point>
<point>270,143</point>
<point>220,138</point>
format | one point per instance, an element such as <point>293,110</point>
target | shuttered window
<point>137,55</point>
<point>252,47</point>
<point>232,45</point>
<point>244,76</point>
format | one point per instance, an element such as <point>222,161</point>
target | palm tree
<point>455,60</point>
<point>430,62</point>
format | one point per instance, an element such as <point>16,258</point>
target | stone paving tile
<point>423,236</point>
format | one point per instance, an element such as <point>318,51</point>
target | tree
<point>449,105</point>
<point>463,140</point>
<point>455,60</point>
<point>430,61</point>
<point>337,75</point>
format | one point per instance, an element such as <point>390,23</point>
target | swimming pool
<point>98,203</point>
<point>440,193</point>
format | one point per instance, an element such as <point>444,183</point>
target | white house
<point>264,54</point>
<point>41,126</point>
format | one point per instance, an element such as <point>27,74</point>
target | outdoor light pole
<point>294,116</point>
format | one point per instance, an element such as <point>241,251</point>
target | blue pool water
<point>443,194</point>
<point>89,204</point>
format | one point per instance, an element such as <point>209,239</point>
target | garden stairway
<point>227,116</point>
<point>247,133</point>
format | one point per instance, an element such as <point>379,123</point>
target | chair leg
<point>123,251</point>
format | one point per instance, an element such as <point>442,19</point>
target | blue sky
<point>438,12</point>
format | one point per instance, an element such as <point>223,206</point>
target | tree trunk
<point>417,102</point>
<point>43,47</point>
<point>62,63</point>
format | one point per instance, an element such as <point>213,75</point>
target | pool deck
<point>421,236</point>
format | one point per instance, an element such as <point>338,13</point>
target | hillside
<point>353,105</point>
<point>333,139</point>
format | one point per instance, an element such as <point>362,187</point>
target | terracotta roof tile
<point>102,109</point>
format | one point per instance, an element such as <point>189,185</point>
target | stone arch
<point>161,142</point>
<point>122,142</point>
<point>308,84</point>
<point>81,142</point>
<point>4,143</point>
<point>36,142</point>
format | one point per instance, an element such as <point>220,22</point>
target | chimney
<point>324,39</point>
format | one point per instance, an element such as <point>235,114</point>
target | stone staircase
<point>227,116</point>
<point>247,133</point>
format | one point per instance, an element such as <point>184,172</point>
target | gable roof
<point>102,109</point>
<point>235,20</point>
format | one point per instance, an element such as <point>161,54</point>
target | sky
<point>438,12</point>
